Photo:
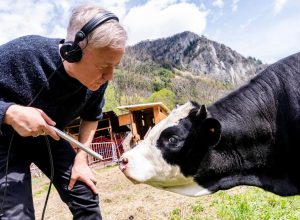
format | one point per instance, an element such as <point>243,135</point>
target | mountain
<point>189,52</point>
<point>184,67</point>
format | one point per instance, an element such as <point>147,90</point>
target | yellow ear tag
<point>212,130</point>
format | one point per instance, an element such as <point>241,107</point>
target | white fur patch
<point>173,119</point>
<point>146,165</point>
<point>145,161</point>
<point>192,189</point>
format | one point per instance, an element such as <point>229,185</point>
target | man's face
<point>96,66</point>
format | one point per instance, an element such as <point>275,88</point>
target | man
<point>46,82</point>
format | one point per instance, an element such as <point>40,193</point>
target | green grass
<point>42,190</point>
<point>252,204</point>
<point>104,169</point>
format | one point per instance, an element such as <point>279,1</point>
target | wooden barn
<point>142,117</point>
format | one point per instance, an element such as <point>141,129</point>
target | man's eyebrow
<point>107,64</point>
<point>103,64</point>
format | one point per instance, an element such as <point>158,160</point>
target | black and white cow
<point>249,137</point>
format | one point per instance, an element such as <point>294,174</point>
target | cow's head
<point>170,154</point>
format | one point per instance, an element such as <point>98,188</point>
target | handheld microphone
<point>71,140</point>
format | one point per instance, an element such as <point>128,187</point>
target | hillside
<point>196,54</point>
<point>177,69</point>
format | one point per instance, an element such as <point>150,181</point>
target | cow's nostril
<point>122,163</point>
<point>124,160</point>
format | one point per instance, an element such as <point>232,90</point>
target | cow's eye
<point>173,140</point>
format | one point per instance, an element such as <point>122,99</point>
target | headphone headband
<point>71,51</point>
<point>92,24</point>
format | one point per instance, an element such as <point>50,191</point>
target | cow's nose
<point>123,161</point>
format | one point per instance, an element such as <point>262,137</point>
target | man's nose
<point>108,75</point>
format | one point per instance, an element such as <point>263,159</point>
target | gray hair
<point>109,34</point>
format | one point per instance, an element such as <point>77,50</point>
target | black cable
<point>6,171</point>
<point>49,151</point>
<point>51,176</point>
<point>43,87</point>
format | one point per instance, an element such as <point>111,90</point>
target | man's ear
<point>210,131</point>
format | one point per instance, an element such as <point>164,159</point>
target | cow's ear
<point>201,113</point>
<point>210,131</point>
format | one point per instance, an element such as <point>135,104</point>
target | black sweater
<point>25,65</point>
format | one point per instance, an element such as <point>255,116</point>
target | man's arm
<point>3,108</point>
<point>81,171</point>
<point>87,131</point>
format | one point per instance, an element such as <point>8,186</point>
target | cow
<point>249,137</point>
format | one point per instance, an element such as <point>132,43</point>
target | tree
<point>163,78</point>
<point>111,100</point>
<point>164,95</point>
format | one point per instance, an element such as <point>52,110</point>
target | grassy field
<point>122,200</point>
<point>252,204</point>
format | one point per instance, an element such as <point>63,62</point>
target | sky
<point>265,29</point>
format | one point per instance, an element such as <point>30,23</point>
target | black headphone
<point>71,51</point>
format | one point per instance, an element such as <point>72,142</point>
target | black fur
<point>250,137</point>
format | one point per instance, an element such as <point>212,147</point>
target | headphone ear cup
<point>71,52</point>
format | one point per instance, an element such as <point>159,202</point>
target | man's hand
<point>81,171</point>
<point>29,121</point>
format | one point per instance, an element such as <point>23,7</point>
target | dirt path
<point>119,199</point>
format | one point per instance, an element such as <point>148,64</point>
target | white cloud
<point>218,3</point>
<point>158,19</point>
<point>118,7</point>
<point>234,5</point>
<point>20,18</point>
<point>278,5</point>
<point>44,17</point>
<point>154,19</point>
<point>249,22</point>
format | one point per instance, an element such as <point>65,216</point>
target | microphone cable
<point>51,176</point>
<point>49,152</point>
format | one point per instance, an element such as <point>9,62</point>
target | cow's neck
<point>247,122</point>
<point>247,147</point>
